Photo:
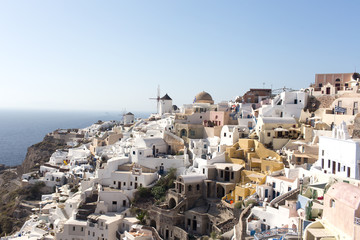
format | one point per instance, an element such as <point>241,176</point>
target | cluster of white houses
<point>278,164</point>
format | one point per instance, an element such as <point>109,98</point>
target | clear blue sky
<point>111,55</point>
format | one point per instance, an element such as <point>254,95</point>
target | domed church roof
<point>203,97</point>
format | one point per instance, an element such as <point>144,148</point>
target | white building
<point>128,118</point>
<point>266,217</point>
<point>286,104</point>
<point>165,105</point>
<point>339,154</point>
<point>276,186</point>
<point>230,134</point>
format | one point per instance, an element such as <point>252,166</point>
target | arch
<point>172,203</point>
<point>153,223</point>
<point>220,191</point>
<point>183,133</point>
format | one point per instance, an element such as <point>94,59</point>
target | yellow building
<point>259,161</point>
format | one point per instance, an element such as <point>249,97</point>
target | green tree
<point>141,216</point>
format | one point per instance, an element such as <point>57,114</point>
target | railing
<point>275,232</point>
<point>356,220</point>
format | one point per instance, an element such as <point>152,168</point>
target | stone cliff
<point>40,153</point>
<point>15,198</point>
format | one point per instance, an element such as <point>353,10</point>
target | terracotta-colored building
<point>255,95</point>
<point>338,80</point>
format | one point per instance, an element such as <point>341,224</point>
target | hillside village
<point>267,165</point>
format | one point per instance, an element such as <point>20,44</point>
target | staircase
<point>88,207</point>
<point>275,202</point>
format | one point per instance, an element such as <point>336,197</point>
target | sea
<point>20,129</point>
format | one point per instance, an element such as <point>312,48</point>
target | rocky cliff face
<point>40,153</point>
<point>13,194</point>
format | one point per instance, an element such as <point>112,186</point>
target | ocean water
<point>21,129</point>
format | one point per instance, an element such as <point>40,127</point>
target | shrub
<point>239,204</point>
<point>250,201</point>
<point>158,192</point>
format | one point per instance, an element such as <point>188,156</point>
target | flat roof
<point>320,232</point>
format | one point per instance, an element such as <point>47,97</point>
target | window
<point>289,189</point>
<point>339,167</point>
<point>339,103</point>
<point>224,134</point>
<point>273,184</point>
<point>322,163</point>
<point>114,182</point>
<point>73,228</point>
<point>124,203</point>
<point>114,202</point>
<point>89,233</point>
<point>82,229</point>
<point>198,187</point>
<point>322,152</point>
<point>200,117</point>
<point>348,172</point>
<point>221,174</point>
<point>189,188</point>
<point>135,178</point>
<point>268,134</point>
<point>130,183</point>
<point>329,163</point>
<point>355,110</point>
<point>203,170</point>
<point>232,175</point>
<point>133,152</point>
<point>332,203</point>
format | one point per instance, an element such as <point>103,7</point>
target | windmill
<point>157,98</point>
<point>123,115</point>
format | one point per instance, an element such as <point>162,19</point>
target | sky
<point>112,55</point>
